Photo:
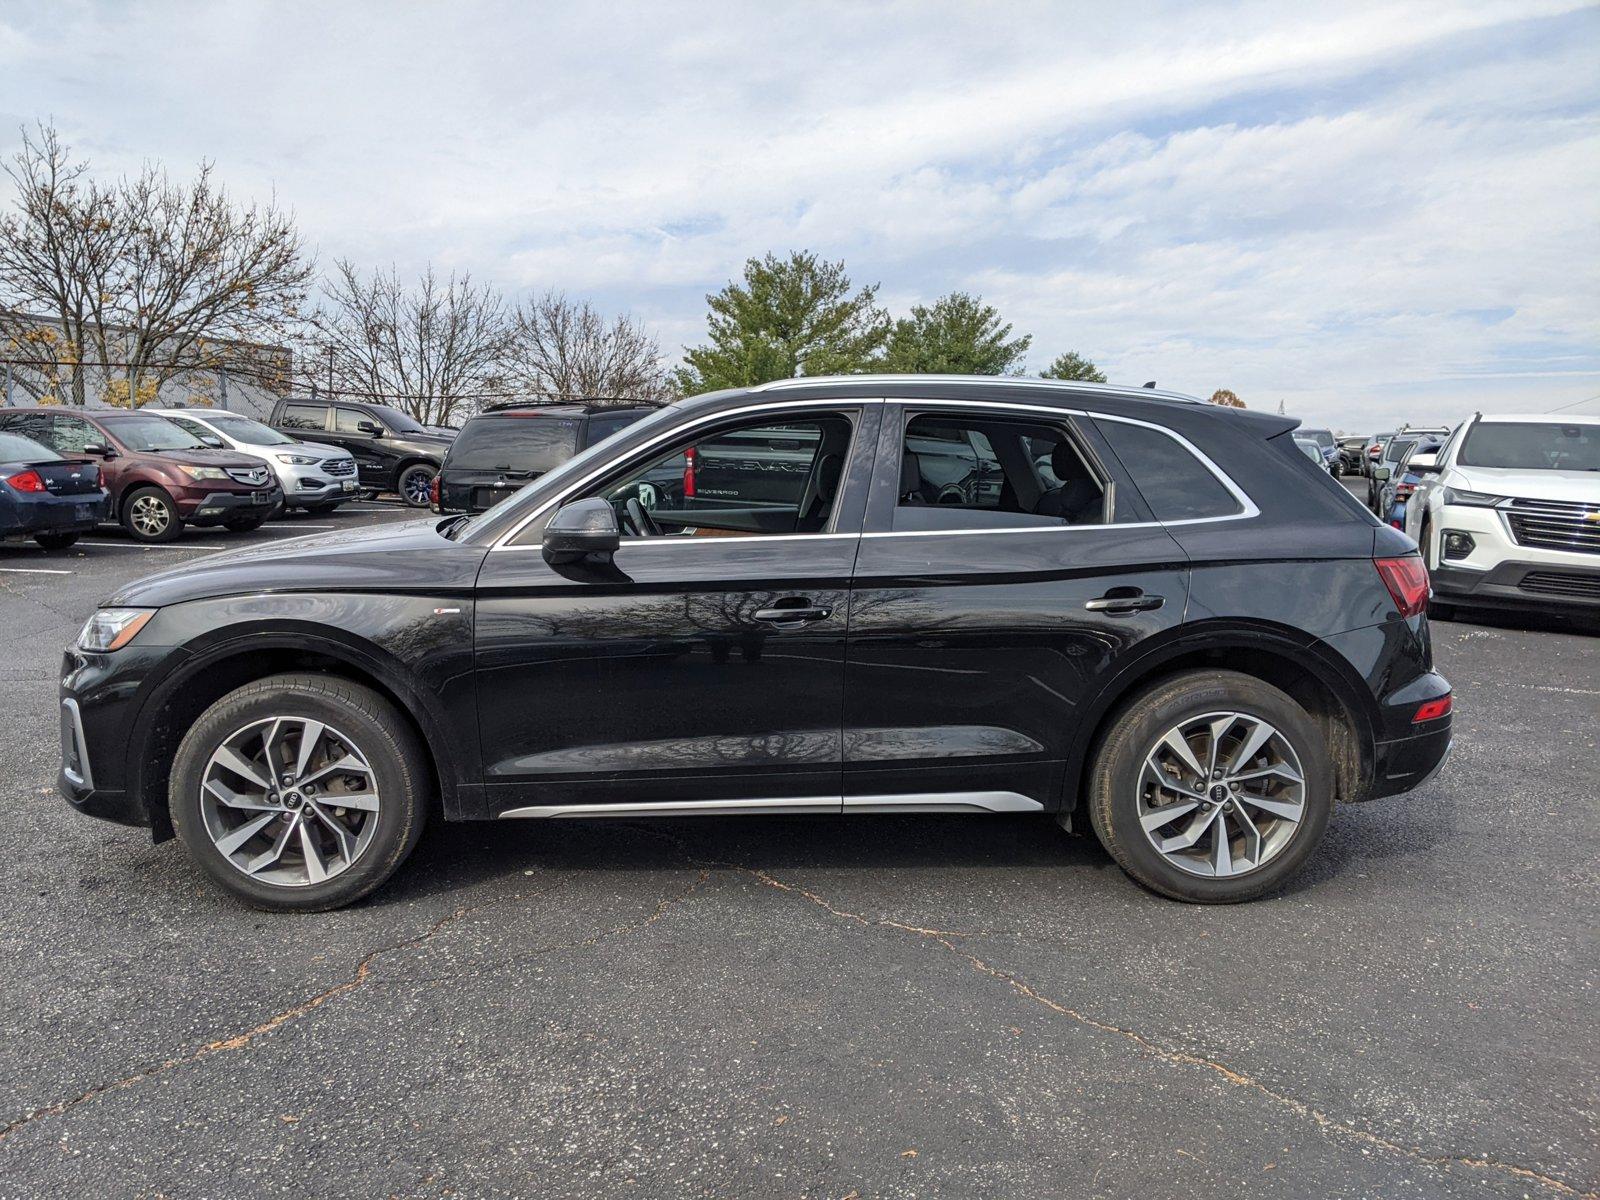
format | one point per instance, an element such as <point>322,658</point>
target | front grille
<point>255,476</point>
<point>339,466</point>
<point>1556,525</point>
<point>1562,583</point>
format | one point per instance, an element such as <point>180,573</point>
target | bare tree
<point>430,348</point>
<point>127,285</point>
<point>564,347</point>
<point>1226,398</point>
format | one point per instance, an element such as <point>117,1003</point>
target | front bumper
<point>1521,585</point>
<point>213,508</point>
<point>75,780</point>
<point>314,484</point>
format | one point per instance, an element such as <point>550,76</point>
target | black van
<point>499,451</point>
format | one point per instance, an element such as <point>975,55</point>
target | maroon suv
<point>160,477</point>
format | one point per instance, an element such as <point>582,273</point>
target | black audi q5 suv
<point>1133,611</point>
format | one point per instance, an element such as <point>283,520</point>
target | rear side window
<point>532,444</point>
<point>1176,484</point>
<point>305,416</point>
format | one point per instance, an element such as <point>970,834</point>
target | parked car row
<point>157,471</point>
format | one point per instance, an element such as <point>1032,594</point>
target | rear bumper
<point>213,508</point>
<point>27,515</point>
<point>1521,585</point>
<point>1407,763</point>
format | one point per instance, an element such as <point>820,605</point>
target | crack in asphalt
<point>362,971</point>
<point>1145,1044</point>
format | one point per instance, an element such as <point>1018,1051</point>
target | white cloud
<point>1355,208</point>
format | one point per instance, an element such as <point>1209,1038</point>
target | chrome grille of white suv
<point>1555,525</point>
<point>339,466</point>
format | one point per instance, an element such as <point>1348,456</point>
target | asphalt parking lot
<point>897,1006</point>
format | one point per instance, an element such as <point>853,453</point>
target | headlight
<point>205,472</point>
<point>113,628</point>
<point>1471,499</point>
<point>299,460</point>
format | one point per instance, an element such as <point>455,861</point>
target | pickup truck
<point>393,452</point>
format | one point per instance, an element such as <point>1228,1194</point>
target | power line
<point>1575,403</point>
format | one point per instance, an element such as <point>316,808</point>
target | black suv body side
<point>953,595</point>
<point>393,452</point>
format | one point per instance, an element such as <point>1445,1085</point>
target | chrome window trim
<point>1248,507</point>
<point>919,802</point>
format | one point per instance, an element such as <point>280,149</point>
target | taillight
<point>1407,581</point>
<point>433,492</point>
<point>689,459</point>
<point>25,481</point>
<point>1434,709</point>
<point>1402,490</point>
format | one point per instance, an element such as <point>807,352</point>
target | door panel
<point>970,652</point>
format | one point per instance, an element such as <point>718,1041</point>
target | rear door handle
<point>1120,601</point>
<point>793,616</point>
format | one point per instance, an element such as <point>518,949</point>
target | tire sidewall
<point>400,813</point>
<point>412,469</point>
<point>1147,718</point>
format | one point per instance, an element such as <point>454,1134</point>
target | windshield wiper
<point>454,526</point>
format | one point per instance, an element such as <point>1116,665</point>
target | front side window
<point>994,471</point>
<point>1531,446</point>
<point>759,478</point>
<point>350,420</point>
<point>1176,484</point>
<point>305,416</point>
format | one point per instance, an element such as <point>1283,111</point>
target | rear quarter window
<point>1174,483</point>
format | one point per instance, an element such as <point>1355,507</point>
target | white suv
<point>1508,513</point>
<point>315,477</point>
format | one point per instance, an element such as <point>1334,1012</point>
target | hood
<point>317,450</point>
<point>409,557</point>
<point>442,440</point>
<point>209,458</point>
<point>1582,487</point>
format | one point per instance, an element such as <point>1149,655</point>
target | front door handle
<point>798,615</point>
<point>1121,601</point>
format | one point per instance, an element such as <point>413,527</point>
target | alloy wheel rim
<point>1221,795</point>
<point>289,801</point>
<point>417,486</point>
<point>149,515</point>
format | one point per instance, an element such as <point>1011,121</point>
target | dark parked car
<point>500,451</point>
<point>46,497</point>
<point>393,452</point>
<point>160,476</point>
<point>1395,489</point>
<point>1185,637</point>
<point>1352,453</point>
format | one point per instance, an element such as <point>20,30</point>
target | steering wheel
<point>643,523</point>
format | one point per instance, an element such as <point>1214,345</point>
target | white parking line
<point>31,571</point>
<point>139,546</point>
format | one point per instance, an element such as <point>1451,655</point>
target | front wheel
<point>415,484</point>
<point>55,541</point>
<point>1211,787</point>
<point>149,515</point>
<point>299,791</point>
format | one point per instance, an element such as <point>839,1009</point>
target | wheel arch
<point>1316,676</point>
<point>236,657</point>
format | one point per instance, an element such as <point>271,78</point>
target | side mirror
<point>582,528</point>
<point>100,451</point>
<point>1424,464</point>
<point>1381,474</point>
<point>213,443</point>
<point>371,427</point>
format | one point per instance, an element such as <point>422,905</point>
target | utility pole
<point>330,370</point>
<point>222,384</point>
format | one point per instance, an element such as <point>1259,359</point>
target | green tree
<point>794,316</point>
<point>958,335</point>
<point>1072,365</point>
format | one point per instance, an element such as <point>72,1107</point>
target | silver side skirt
<point>927,802</point>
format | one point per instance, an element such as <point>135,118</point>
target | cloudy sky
<point>1369,212</point>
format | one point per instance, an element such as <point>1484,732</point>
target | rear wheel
<point>55,541</point>
<point>299,791</point>
<point>149,515</point>
<point>1211,787</point>
<point>414,484</point>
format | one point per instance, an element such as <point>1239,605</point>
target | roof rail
<point>1067,385</point>
<point>553,400</point>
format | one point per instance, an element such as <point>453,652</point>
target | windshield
<point>396,420</point>
<point>532,444</point>
<point>14,448</point>
<point>147,432</point>
<point>1399,448</point>
<point>1309,449</point>
<point>1322,437</point>
<point>1531,446</point>
<point>491,523</point>
<point>253,433</point>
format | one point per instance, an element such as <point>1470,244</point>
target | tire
<point>325,506</point>
<point>244,524</point>
<point>1118,780</point>
<point>356,723</point>
<point>55,541</point>
<point>414,482</point>
<point>149,515</point>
